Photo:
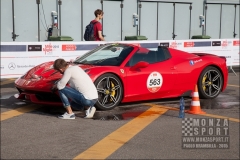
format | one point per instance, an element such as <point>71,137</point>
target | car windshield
<point>106,55</point>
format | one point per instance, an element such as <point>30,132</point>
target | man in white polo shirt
<point>81,90</point>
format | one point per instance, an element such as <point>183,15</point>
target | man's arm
<point>100,36</point>
<point>62,83</point>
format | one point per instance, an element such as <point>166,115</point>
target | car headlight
<point>35,77</point>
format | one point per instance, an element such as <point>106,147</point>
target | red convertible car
<point>128,73</point>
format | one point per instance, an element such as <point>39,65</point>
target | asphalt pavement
<point>143,130</point>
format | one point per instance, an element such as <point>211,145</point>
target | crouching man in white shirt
<point>81,90</point>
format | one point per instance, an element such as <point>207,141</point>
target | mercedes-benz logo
<point>11,66</point>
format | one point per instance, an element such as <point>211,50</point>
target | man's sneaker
<point>67,116</point>
<point>90,112</point>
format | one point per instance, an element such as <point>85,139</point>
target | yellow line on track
<point>206,114</point>
<point>223,117</point>
<point>233,85</point>
<point>17,112</point>
<point>7,81</point>
<point>112,142</point>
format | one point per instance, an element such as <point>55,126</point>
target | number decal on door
<point>154,82</point>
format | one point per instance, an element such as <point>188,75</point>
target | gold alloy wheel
<point>212,83</point>
<point>109,92</point>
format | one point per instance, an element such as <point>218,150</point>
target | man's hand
<point>54,88</point>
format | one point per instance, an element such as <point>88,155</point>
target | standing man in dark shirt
<point>98,26</point>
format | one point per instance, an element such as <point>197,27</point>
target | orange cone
<point>195,104</point>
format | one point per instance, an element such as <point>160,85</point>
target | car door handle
<point>173,68</point>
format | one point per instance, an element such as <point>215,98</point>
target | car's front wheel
<point>210,83</point>
<point>110,91</point>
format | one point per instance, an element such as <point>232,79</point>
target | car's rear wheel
<point>210,83</point>
<point>110,91</point>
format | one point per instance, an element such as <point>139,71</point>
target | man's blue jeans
<point>78,101</point>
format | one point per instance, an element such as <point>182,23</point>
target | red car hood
<point>46,70</point>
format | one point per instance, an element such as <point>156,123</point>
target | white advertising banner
<point>18,57</point>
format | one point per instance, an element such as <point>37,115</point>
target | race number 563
<point>154,82</point>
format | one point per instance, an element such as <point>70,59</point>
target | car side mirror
<point>141,64</point>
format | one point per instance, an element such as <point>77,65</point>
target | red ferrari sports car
<point>128,73</point>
